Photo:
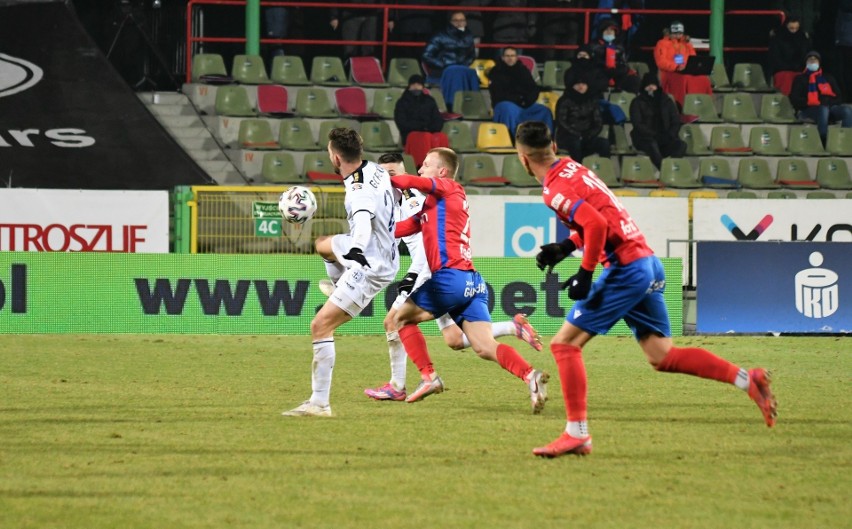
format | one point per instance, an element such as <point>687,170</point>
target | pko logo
<point>17,75</point>
<point>528,226</point>
<point>817,289</point>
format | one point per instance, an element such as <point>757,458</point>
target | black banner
<point>68,120</point>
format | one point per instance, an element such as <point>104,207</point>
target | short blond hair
<point>449,159</point>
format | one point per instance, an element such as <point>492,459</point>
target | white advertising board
<point>54,220</point>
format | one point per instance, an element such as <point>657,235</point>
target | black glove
<point>579,284</point>
<point>407,283</point>
<point>551,254</point>
<point>357,255</point>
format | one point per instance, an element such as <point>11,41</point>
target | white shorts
<point>357,287</point>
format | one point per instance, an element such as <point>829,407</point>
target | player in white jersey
<point>411,202</point>
<point>360,263</point>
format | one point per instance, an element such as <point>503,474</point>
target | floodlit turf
<point>186,431</point>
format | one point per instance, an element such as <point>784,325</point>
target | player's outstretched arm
<point>425,185</point>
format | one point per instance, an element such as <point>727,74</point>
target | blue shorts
<point>633,292</point>
<point>462,294</point>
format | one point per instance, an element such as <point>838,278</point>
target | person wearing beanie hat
<point>817,96</point>
<point>671,54</point>
<point>416,111</point>
<point>656,123</point>
<point>579,122</point>
<point>584,65</point>
<point>514,93</point>
<point>787,46</point>
<point>609,54</point>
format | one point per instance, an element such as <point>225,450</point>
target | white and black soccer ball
<point>297,205</point>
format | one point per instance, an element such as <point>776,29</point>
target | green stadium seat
<point>776,108</point>
<point>318,169</point>
<point>295,134</point>
<point>638,171</point>
<point>620,143</point>
<point>249,69</point>
<point>781,194</point>
<point>460,136</point>
<point>715,172</point>
<point>739,108</point>
<point>256,134</point>
<point>804,140</point>
<point>233,101</point>
<point>328,71</point>
<point>472,105</point>
<point>312,102</point>
<point>741,194</point>
<point>749,77</point>
<point>720,80</point>
<point>839,141</point>
<point>701,105</point>
<point>378,137</point>
<point>604,168</point>
<point>726,140</point>
<point>384,101</point>
<point>289,70</point>
<point>833,173</point>
<point>820,194</point>
<point>513,171</point>
<point>640,67</point>
<point>696,142</point>
<point>765,140</point>
<point>280,168</point>
<point>622,100</point>
<point>553,76</point>
<point>400,69</point>
<point>326,126</point>
<point>408,162</point>
<point>207,64</point>
<point>479,170</point>
<point>793,173</point>
<point>754,173</point>
<point>677,172</point>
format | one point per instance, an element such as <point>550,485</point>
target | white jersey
<point>410,203</point>
<point>368,189</point>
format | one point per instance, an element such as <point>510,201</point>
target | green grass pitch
<point>185,432</point>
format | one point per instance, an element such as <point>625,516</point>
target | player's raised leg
<point>520,327</point>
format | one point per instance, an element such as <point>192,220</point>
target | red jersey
<point>599,222</point>
<point>444,221</point>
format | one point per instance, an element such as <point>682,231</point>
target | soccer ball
<point>297,205</point>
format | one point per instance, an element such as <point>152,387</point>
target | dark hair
<point>533,134</point>
<point>346,143</point>
<point>391,157</point>
<point>507,48</point>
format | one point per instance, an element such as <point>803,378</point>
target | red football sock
<point>415,347</point>
<point>512,361</point>
<point>572,374</point>
<point>700,363</point>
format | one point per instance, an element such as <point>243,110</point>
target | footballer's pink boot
<point>524,331</point>
<point>386,392</point>
<point>758,390</point>
<point>565,444</point>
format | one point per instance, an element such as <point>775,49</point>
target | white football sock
<point>503,328</point>
<point>577,429</point>
<point>321,369</point>
<point>398,359</point>
<point>742,381</point>
<point>334,270</point>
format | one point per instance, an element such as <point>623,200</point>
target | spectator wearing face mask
<point>670,54</point>
<point>816,96</point>
<point>608,52</point>
<point>418,120</point>
<point>656,123</point>
<point>787,47</point>
<point>448,56</point>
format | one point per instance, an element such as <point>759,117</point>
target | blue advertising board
<point>758,287</point>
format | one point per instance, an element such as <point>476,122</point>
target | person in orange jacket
<point>670,54</point>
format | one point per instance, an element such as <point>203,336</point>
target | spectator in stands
<point>416,110</point>
<point>608,52</point>
<point>356,24</point>
<point>817,96</point>
<point>787,47</point>
<point>410,25</point>
<point>475,24</point>
<point>276,23</point>
<point>448,56</point>
<point>514,93</point>
<point>583,66</point>
<point>512,27</point>
<point>559,28</point>
<point>671,53</point>
<point>656,123</point>
<point>579,122</point>
<point>627,23</point>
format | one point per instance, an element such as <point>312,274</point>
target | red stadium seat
<point>272,100</point>
<point>366,71</point>
<point>352,103</point>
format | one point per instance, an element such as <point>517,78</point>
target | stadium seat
<point>820,194</point>
<point>701,105</point>
<point>256,134</point>
<point>494,138</point>
<point>604,169</point>
<point>326,126</point>
<point>472,105</point>
<point>620,143</point>
<point>804,141</point>
<point>513,171</point>
<point>554,74</point>
<point>749,77</point>
<point>328,71</point>
<point>693,195</point>
<point>696,142</point>
<point>442,105</point>
<point>776,108</point>
<point>638,171</point>
<point>312,102</point>
<point>460,136</point>
<point>280,168</point>
<point>765,140</point>
<point>839,141</point>
<point>741,194</point>
<point>677,172</point>
<point>640,67</point>
<point>739,108</point>
<point>622,100</point>
<point>793,173</point>
<point>294,134</point>
<point>625,192</point>
<point>208,64</point>
<point>233,101</point>
<point>377,137</point>
<point>663,193</point>
<point>384,101</point>
<point>318,169</point>
<point>479,169</point>
<point>781,193</point>
<point>366,71</point>
<point>482,67</point>
<point>400,69</point>
<point>408,162</point>
<point>273,100</point>
<point>549,99</point>
<point>716,173</point>
<point>249,69</point>
<point>754,173</point>
<point>529,62</point>
<point>728,141</point>
<point>833,173</point>
<point>720,80</point>
<point>351,103</point>
<point>289,70</point>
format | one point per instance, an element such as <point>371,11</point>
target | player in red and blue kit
<point>455,288</point>
<point>630,287</point>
